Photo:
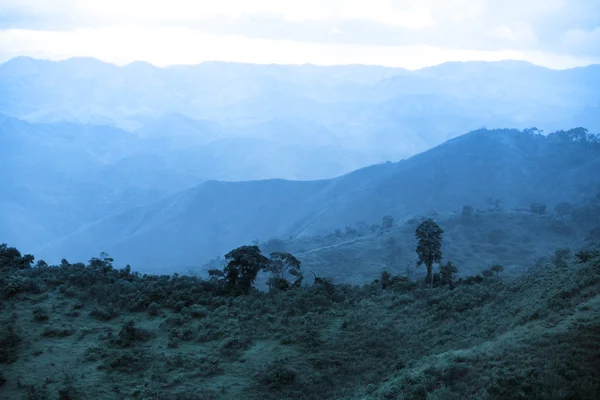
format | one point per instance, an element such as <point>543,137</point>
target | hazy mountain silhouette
<point>64,175</point>
<point>379,108</point>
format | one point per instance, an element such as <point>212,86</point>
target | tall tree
<point>282,264</point>
<point>243,266</point>
<point>429,246</point>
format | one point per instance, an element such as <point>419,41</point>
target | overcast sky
<point>410,34</point>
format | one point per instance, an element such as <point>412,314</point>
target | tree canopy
<point>429,247</point>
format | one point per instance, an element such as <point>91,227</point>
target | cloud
<point>182,45</point>
<point>518,32</point>
<point>580,38</point>
<point>560,29</point>
<point>183,12</point>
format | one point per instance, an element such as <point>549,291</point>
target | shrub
<point>153,309</point>
<point>448,274</point>
<point>20,284</point>
<point>40,315</point>
<point>104,313</point>
<point>538,208</point>
<point>129,335</point>
<point>277,375</point>
<point>470,280</point>
<point>10,337</point>
<point>57,332</point>
<point>585,255</point>
<point>561,258</point>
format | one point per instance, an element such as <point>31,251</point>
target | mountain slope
<point>65,175</point>
<point>517,168</point>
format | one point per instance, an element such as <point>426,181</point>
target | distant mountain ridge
<point>64,175</point>
<point>517,168</point>
<point>361,106</point>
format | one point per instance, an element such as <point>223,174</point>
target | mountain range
<point>173,166</point>
<point>510,167</point>
<point>357,107</point>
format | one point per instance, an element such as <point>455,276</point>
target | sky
<point>399,33</point>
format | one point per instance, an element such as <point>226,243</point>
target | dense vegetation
<point>77,331</point>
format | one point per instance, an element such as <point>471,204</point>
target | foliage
<point>429,247</point>
<point>11,258</point>
<point>280,265</point>
<point>243,265</point>
<point>532,336</point>
<point>10,338</point>
<point>387,222</point>
<point>497,268</point>
<point>538,208</point>
<point>561,257</point>
<point>448,274</point>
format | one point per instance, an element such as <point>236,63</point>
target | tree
<point>497,269</point>
<point>561,258</point>
<point>242,267</point>
<point>387,222</point>
<point>448,274</point>
<point>103,263</point>
<point>280,264</point>
<point>538,208</point>
<point>488,273</point>
<point>11,258</point>
<point>429,246</point>
<point>468,213</point>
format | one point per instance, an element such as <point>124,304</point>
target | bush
<point>104,313</point>
<point>57,332</point>
<point>277,375</point>
<point>40,315</point>
<point>538,208</point>
<point>561,258</point>
<point>129,335</point>
<point>586,255</point>
<point>153,309</point>
<point>10,338</point>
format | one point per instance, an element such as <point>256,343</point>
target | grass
<point>516,239</point>
<point>78,332</point>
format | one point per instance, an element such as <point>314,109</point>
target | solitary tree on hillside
<point>429,247</point>
<point>243,266</point>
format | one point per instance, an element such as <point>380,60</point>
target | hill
<point>517,168</point>
<point>115,333</point>
<point>65,175</point>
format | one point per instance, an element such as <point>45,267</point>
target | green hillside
<point>94,332</point>
<point>515,239</point>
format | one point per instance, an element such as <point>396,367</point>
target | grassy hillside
<point>79,332</point>
<point>515,239</point>
<point>516,168</point>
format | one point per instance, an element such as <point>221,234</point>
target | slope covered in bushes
<point>92,331</point>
